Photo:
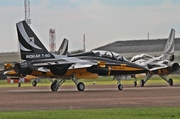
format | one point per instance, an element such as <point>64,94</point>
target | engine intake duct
<point>59,69</point>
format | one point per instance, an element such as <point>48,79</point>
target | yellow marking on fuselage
<point>102,64</point>
<point>124,65</point>
<point>124,68</point>
<point>79,73</point>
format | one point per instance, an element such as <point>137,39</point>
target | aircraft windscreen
<point>109,55</point>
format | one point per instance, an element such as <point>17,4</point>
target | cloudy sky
<point>102,21</point>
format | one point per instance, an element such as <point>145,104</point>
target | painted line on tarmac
<point>149,88</point>
<point>96,89</point>
<point>28,90</point>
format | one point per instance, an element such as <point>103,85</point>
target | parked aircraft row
<point>37,61</point>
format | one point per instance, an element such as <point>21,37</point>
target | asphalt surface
<point>94,96</point>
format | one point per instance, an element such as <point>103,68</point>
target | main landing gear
<point>169,81</point>
<point>21,80</point>
<point>142,82</point>
<point>135,80</point>
<point>34,83</point>
<point>148,76</point>
<point>57,83</point>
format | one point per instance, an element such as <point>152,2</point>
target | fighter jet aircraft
<point>39,62</point>
<point>162,65</point>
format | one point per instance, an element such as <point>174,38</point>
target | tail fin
<point>169,48</point>
<point>168,53</point>
<point>31,47</point>
<point>63,49</point>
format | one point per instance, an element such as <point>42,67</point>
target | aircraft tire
<point>80,86</point>
<point>19,84</point>
<point>135,83</point>
<point>170,81</point>
<point>142,83</point>
<point>34,83</point>
<point>54,87</point>
<point>120,86</point>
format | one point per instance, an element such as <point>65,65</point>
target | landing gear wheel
<point>120,86</point>
<point>54,87</point>
<point>170,81</point>
<point>19,84</point>
<point>80,86</point>
<point>135,83</point>
<point>34,83</point>
<point>142,83</point>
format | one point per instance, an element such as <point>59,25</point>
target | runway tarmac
<point>94,96</point>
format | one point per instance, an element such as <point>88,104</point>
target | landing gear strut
<point>119,78</point>
<point>21,80</point>
<point>142,82</point>
<point>57,83</point>
<point>169,81</point>
<point>80,85</point>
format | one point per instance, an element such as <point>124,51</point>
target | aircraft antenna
<point>84,47</point>
<point>52,38</point>
<point>27,11</point>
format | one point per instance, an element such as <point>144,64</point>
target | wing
<point>73,63</point>
<point>7,67</point>
<point>4,70</point>
<point>56,66</point>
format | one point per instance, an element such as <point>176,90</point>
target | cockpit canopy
<point>141,56</point>
<point>109,55</point>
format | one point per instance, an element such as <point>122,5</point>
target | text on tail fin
<point>30,45</point>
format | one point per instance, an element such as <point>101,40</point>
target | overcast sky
<point>102,21</point>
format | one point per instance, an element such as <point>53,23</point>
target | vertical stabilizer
<point>169,48</point>
<point>31,47</point>
<point>168,53</point>
<point>63,49</point>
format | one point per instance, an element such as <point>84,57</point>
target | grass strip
<point>112,113</point>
